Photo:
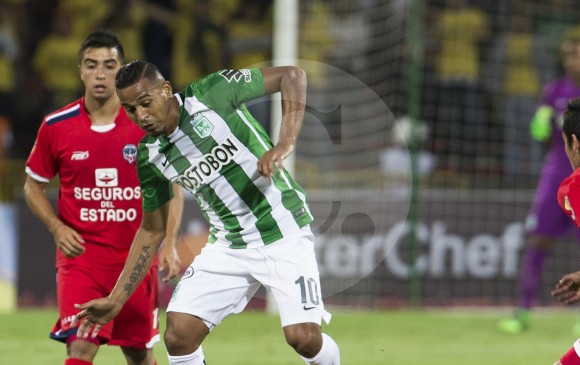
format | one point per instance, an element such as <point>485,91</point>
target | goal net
<point>444,222</point>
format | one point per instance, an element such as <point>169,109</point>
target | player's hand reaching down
<point>96,314</point>
<point>169,261</point>
<point>568,288</point>
<point>274,159</point>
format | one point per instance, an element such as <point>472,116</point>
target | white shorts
<point>221,281</point>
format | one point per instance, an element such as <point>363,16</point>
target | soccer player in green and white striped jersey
<point>205,140</point>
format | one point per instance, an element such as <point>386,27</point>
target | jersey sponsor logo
<point>236,75</point>
<point>309,308</point>
<point>130,153</point>
<point>201,125</point>
<point>106,177</point>
<point>107,193</point>
<point>79,155</point>
<point>207,166</point>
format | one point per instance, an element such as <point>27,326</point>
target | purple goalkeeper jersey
<point>546,218</point>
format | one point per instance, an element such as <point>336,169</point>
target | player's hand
<point>68,241</point>
<point>96,314</point>
<point>274,158</point>
<point>169,261</point>
<point>568,288</point>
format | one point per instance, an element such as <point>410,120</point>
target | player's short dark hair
<point>134,71</point>
<point>571,123</point>
<point>101,39</point>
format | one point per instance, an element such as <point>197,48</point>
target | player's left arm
<point>145,245</point>
<point>168,256</point>
<point>291,82</point>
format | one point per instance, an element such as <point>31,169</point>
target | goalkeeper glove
<point>541,126</point>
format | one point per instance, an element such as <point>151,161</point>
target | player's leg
<point>571,357</point>
<point>135,356</point>
<point>80,352</point>
<point>183,338</point>
<point>295,286</point>
<point>537,251</point>
<point>214,286</point>
<point>545,223</point>
<point>311,344</point>
<point>77,285</point>
<point>136,327</point>
<point>531,270</point>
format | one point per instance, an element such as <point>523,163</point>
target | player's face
<point>98,69</point>
<point>149,105</point>
<point>571,59</point>
<point>572,151</point>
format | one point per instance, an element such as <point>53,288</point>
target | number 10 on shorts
<point>310,296</point>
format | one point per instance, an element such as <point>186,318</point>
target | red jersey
<point>99,193</point>
<point>569,196</point>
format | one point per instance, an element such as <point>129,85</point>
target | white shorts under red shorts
<point>136,326</point>
<point>221,281</point>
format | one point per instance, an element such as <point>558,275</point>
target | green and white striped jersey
<point>214,155</point>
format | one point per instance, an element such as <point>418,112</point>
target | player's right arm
<point>143,250</point>
<point>67,239</point>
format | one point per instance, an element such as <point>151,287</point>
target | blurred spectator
<point>158,47</point>
<point>515,74</point>
<point>9,52</point>
<point>352,36</point>
<point>461,130</point>
<point>85,15</point>
<point>250,45</point>
<point>198,42</point>
<point>126,18</point>
<point>56,62</point>
<point>315,41</point>
<point>553,18</point>
<point>250,34</point>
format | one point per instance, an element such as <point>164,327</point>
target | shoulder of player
<point>571,185</point>
<point>67,112</point>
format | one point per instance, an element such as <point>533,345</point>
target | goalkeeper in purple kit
<point>546,223</point>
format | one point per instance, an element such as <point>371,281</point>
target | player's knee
<point>183,335</point>
<point>176,342</point>
<point>305,338</point>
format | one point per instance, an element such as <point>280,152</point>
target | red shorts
<point>136,325</point>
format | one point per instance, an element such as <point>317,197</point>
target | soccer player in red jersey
<point>91,145</point>
<point>568,288</point>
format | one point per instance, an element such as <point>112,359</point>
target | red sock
<point>570,358</point>
<point>71,361</point>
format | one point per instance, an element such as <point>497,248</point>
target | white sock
<point>329,354</point>
<point>196,358</point>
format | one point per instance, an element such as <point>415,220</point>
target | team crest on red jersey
<point>106,177</point>
<point>130,153</point>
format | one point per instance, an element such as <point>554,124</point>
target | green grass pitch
<point>434,337</point>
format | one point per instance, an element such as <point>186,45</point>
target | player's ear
<point>575,144</point>
<point>167,89</point>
